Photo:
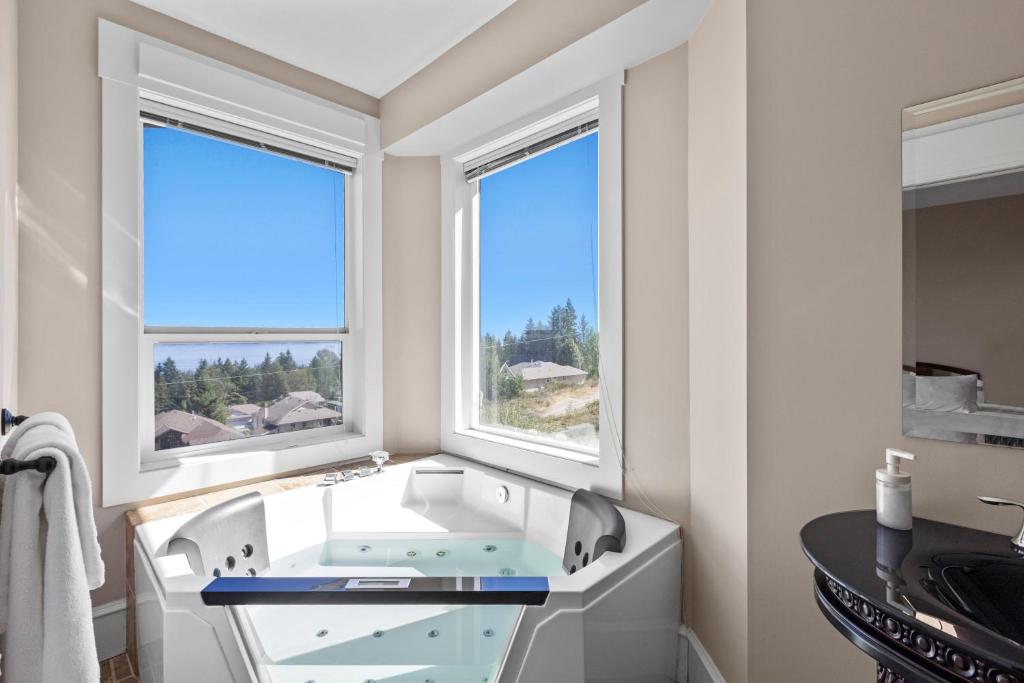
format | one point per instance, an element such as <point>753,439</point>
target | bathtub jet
<point>436,570</point>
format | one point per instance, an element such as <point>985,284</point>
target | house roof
<point>310,396</point>
<point>292,410</point>
<point>542,369</point>
<point>247,409</point>
<point>308,414</point>
<point>194,429</point>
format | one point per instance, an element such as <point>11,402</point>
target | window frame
<point>461,433</point>
<point>153,335</point>
<point>136,71</point>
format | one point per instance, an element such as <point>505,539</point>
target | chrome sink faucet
<point>1018,540</point>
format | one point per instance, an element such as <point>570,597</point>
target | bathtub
<point>439,570</point>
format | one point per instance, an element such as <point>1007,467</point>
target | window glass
<point>239,237</point>
<point>222,391</point>
<point>539,362</point>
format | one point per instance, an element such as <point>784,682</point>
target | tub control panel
<point>420,590</point>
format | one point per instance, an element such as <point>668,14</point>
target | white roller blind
<point>531,144</point>
<point>160,114</point>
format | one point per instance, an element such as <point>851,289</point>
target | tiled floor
<point>117,670</point>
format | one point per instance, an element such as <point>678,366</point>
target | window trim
<point>134,67</point>
<point>566,467</point>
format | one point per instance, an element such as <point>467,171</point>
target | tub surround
<point>202,500</point>
<point>937,602</point>
<point>620,603</point>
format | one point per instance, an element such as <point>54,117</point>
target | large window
<point>242,327</point>
<point>539,356</point>
<point>532,282</point>
<point>240,239</point>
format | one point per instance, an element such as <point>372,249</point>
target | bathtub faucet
<point>379,458</point>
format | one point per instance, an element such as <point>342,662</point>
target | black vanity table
<point>938,603</point>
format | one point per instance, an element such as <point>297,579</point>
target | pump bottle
<point>892,492</point>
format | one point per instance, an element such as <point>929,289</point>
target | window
<point>539,355</point>
<point>240,239</point>
<point>241,274</point>
<point>532,277</point>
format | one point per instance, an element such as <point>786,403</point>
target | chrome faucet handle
<point>1018,540</point>
<point>379,458</point>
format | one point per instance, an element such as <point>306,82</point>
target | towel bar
<point>9,420</point>
<point>44,464</point>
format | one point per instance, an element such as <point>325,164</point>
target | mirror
<point>963,267</point>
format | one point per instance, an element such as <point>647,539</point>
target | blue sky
<point>238,237</point>
<point>538,238</point>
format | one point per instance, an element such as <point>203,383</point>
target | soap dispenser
<point>892,492</point>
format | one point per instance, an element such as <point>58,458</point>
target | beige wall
<point>717,537</point>
<point>412,304</point>
<point>969,284</point>
<point>654,140</point>
<point>827,82</point>
<point>59,175</point>
<point>8,203</point>
<point>524,34</point>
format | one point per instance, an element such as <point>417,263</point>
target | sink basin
<point>986,588</point>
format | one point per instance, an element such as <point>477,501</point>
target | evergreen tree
<point>210,397</point>
<point>286,361</point>
<point>272,382</point>
<point>589,346</point>
<point>161,392</point>
<point>490,366</point>
<point>326,370</point>
<point>247,382</point>
<point>178,386</point>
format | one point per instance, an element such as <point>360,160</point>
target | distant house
<point>308,396</point>
<point>293,412</point>
<point>176,428</point>
<point>243,416</point>
<point>536,374</point>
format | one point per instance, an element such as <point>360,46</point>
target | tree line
<point>213,386</point>
<point>564,338</point>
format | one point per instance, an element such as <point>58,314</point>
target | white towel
<point>49,560</point>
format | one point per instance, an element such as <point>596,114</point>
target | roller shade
<point>532,145</point>
<point>158,114</point>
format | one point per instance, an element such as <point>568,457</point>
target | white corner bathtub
<point>509,612</point>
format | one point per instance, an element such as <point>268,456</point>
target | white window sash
<point>462,434</point>
<point>152,458</point>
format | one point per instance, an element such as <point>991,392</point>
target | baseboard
<point>110,623</point>
<point>695,664</point>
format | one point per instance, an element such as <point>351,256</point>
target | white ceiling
<point>370,45</point>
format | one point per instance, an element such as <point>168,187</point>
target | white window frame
<point>135,68</point>
<point>460,432</point>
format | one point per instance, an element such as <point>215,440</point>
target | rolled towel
<point>49,560</point>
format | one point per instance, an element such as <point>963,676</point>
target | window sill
<point>175,476</point>
<point>499,437</point>
<point>239,452</point>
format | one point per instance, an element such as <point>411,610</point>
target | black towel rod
<point>9,420</point>
<point>44,464</point>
